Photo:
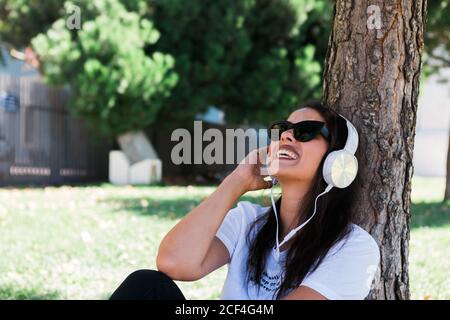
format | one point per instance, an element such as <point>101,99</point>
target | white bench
<point>136,163</point>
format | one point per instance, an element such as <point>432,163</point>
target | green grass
<point>429,257</point>
<point>81,242</point>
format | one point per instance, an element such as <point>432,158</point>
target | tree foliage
<point>113,82</point>
<point>437,37</point>
<point>21,20</point>
<point>255,59</point>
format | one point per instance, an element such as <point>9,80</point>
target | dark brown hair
<point>330,224</point>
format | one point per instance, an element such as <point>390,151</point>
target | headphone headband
<point>352,137</point>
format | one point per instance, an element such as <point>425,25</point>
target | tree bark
<point>447,182</point>
<point>372,76</point>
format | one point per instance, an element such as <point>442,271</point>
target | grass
<point>429,257</point>
<point>81,242</point>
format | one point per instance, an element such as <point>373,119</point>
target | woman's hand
<point>191,249</point>
<point>248,175</point>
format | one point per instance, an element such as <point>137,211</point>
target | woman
<point>329,258</point>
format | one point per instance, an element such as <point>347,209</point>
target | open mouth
<point>287,154</point>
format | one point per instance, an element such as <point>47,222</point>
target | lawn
<point>80,242</point>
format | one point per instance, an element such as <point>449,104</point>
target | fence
<point>40,142</point>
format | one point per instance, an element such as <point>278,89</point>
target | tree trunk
<point>372,76</point>
<point>447,184</point>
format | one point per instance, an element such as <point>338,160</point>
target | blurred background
<point>90,92</point>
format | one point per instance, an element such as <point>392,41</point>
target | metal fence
<point>40,142</point>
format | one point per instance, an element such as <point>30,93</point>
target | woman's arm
<point>183,250</point>
<point>190,250</point>
<point>304,293</point>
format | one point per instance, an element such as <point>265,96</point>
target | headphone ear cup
<point>326,170</point>
<point>340,168</point>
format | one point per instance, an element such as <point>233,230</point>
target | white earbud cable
<point>276,216</point>
<point>294,231</point>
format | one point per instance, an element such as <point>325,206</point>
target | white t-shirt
<point>346,272</point>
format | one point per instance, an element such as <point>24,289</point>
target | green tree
<point>113,82</point>
<point>438,35</point>
<point>437,42</point>
<point>255,59</point>
<point>22,20</point>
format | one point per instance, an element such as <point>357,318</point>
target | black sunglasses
<point>303,131</point>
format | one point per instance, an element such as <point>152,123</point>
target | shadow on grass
<point>13,293</point>
<point>424,214</point>
<point>165,208</point>
<point>430,214</point>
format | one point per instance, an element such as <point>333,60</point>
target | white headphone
<point>339,170</point>
<point>341,166</point>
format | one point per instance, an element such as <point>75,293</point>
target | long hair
<point>330,224</point>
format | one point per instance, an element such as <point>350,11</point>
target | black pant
<point>147,285</point>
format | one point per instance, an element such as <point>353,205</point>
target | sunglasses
<point>303,131</point>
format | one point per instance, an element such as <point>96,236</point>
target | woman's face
<point>307,155</point>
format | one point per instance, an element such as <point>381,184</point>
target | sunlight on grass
<point>429,258</point>
<point>427,189</point>
<point>81,242</point>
